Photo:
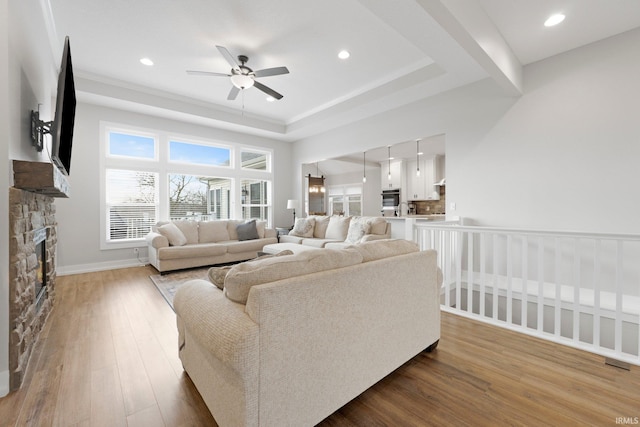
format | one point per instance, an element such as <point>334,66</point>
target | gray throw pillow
<point>247,231</point>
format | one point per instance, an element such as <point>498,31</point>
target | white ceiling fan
<point>242,76</point>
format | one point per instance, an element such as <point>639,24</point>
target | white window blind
<point>132,203</point>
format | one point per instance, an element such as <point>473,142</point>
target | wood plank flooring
<point>108,357</point>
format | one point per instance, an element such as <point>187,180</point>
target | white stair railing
<point>577,289</point>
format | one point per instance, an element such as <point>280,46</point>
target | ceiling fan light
<point>554,20</point>
<point>242,81</point>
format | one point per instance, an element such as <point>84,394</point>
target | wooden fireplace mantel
<point>41,178</point>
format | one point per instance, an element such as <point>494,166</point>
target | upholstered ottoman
<point>275,248</point>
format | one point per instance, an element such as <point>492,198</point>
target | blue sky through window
<point>200,154</point>
<point>121,144</point>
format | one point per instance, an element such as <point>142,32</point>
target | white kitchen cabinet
<point>421,187</point>
<point>416,188</point>
<point>397,175</point>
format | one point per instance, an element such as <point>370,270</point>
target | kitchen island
<point>402,226</point>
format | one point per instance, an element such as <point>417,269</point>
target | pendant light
<point>389,159</point>
<point>417,157</point>
<point>364,166</point>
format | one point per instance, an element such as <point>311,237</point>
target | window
<point>129,145</point>
<point>255,199</point>
<point>132,204</point>
<point>346,200</point>
<point>199,197</point>
<point>148,176</point>
<point>254,160</point>
<point>186,152</point>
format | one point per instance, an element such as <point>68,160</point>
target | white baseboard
<point>99,266</point>
<point>4,383</point>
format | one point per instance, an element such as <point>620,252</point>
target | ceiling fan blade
<point>271,72</point>
<point>234,65</point>
<point>267,90</point>
<point>233,93</point>
<point>207,73</point>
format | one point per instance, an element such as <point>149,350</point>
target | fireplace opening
<point>40,240</point>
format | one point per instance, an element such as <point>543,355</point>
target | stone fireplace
<point>32,274</point>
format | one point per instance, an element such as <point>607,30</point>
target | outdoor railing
<point>577,289</point>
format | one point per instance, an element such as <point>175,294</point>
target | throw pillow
<point>320,230</point>
<point>358,227</point>
<point>378,225</point>
<point>303,227</point>
<point>189,229</point>
<point>337,228</point>
<point>247,231</point>
<point>217,275</point>
<point>173,234</point>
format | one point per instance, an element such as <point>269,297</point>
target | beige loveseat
<point>303,346</point>
<point>337,232</point>
<point>183,244</point>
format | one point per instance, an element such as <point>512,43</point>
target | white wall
<point>27,75</point>
<point>79,216</point>
<point>563,156</point>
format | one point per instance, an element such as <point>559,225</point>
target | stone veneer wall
<point>28,212</point>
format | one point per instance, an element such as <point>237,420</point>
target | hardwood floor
<point>108,357</point>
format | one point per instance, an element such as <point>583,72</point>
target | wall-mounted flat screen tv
<point>62,126</point>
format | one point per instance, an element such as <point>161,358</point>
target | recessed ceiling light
<point>554,20</point>
<point>146,61</point>
<point>344,54</point>
<point>270,99</point>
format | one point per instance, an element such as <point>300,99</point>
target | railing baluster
<point>509,280</point>
<point>619,273</point>
<point>483,273</point>
<point>525,281</point>
<point>597,265</point>
<point>470,281</point>
<point>576,290</point>
<point>540,316</point>
<point>557,321</point>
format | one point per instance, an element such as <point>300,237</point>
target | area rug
<point>169,283</point>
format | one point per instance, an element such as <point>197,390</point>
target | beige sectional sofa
<point>293,338</point>
<point>337,231</point>
<point>175,245</point>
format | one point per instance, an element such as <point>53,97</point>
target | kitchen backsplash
<point>430,207</point>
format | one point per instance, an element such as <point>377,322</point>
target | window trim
<point>164,167</point>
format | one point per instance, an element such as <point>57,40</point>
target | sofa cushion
<point>231,228</point>
<point>358,227</point>
<point>378,249</point>
<point>237,246</point>
<point>303,227</point>
<point>189,229</point>
<point>192,251</point>
<point>175,236</point>
<point>261,226</point>
<point>320,229</point>
<point>337,228</point>
<point>288,238</point>
<point>213,231</point>
<point>247,231</point>
<point>317,243</point>
<point>243,276</point>
<point>217,275</point>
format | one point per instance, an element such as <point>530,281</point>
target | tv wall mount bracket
<point>39,129</point>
